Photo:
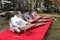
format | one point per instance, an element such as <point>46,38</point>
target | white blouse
<point>17,22</point>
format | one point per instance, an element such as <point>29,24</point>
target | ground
<point>53,32</point>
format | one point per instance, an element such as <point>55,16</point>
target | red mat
<point>34,34</point>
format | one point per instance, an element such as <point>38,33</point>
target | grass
<point>3,24</point>
<point>53,32</point>
<point>3,28</point>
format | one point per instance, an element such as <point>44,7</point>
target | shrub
<point>8,15</point>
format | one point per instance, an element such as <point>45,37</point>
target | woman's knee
<point>18,31</point>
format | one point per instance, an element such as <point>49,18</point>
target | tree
<point>7,5</point>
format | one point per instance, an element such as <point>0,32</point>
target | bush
<point>8,15</point>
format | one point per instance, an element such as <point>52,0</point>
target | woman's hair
<point>26,10</point>
<point>35,10</point>
<point>17,12</point>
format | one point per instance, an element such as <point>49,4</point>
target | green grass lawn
<point>3,24</point>
<point>53,32</point>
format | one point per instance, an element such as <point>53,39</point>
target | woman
<point>35,15</point>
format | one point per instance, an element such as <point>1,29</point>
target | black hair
<point>36,10</point>
<point>17,12</point>
<point>26,10</point>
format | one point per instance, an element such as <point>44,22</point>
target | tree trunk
<point>41,3</point>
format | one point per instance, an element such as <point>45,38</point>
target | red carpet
<point>34,34</point>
